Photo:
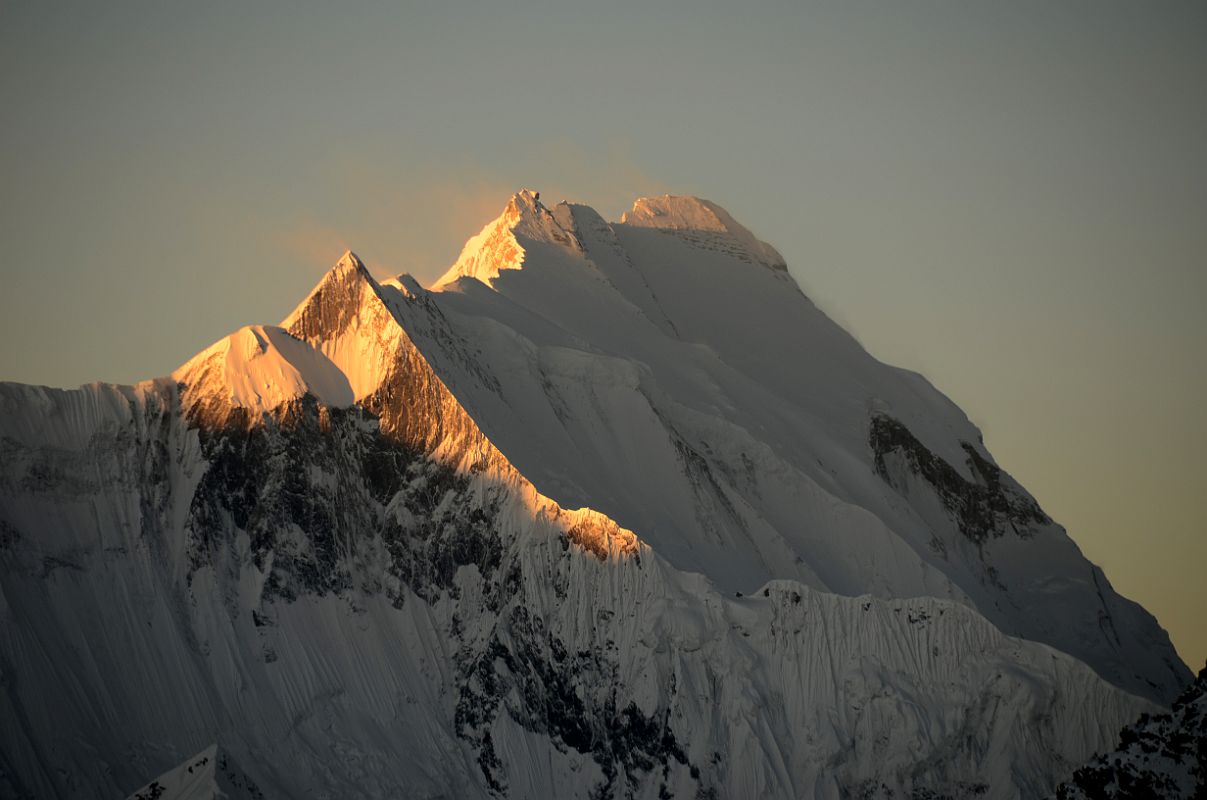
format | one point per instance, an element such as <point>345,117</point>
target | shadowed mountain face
<point>342,549</point>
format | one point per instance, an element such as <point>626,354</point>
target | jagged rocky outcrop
<point>1160,755</point>
<point>305,545</point>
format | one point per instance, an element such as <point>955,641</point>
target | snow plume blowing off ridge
<point>355,554</point>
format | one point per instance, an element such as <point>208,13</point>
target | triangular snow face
<point>209,775</point>
<point>344,318</point>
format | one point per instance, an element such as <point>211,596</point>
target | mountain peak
<point>503,243</point>
<point>702,222</point>
<point>525,201</point>
<point>345,318</point>
<point>349,261</point>
<point>344,283</point>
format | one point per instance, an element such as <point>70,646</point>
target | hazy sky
<point>1008,197</point>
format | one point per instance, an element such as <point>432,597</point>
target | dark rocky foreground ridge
<point>1161,755</point>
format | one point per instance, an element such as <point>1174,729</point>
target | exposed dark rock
<point>1161,755</point>
<point>988,507</point>
<point>304,483</point>
<point>527,672</point>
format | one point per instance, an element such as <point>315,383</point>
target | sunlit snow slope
<point>342,550</point>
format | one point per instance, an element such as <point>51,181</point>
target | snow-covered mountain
<point>668,371</point>
<point>355,550</point>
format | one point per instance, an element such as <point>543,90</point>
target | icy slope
<point>668,371</point>
<point>371,601</point>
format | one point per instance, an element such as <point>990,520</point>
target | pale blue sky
<point>1009,197</point>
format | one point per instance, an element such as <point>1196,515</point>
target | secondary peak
<point>699,219</point>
